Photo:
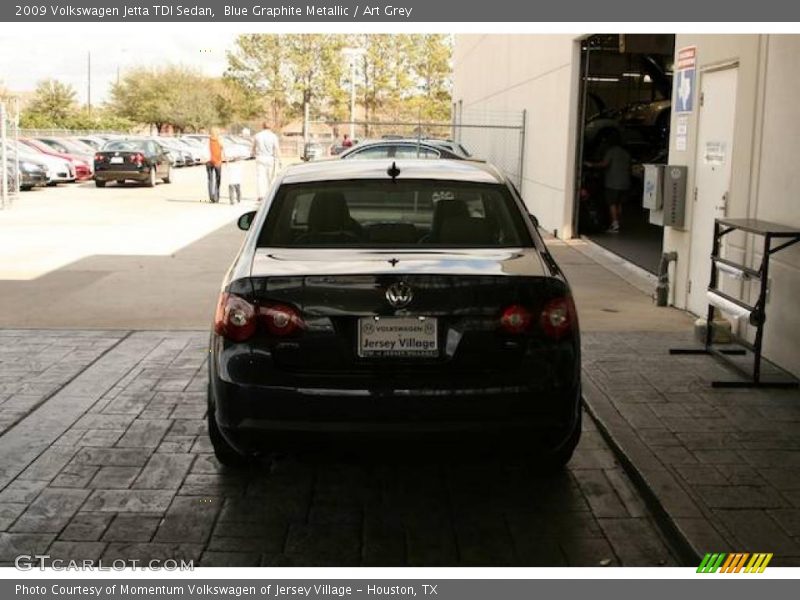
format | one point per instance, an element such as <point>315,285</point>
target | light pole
<point>89,81</point>
<point>353,54</point>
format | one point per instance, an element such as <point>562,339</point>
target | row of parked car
<point>50,160</point>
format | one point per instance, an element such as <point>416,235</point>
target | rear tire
<point>151,180</point>
<point>167,178</point>
<point>99,183</point>
<point>226,454</point>
<point>557,460</point>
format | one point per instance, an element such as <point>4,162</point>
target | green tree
<point>292,73</point>
<point>258,65</point>
<point>432,64</point>
<point>234,103</point>
<point>172,95</point>
<point>52,104</point>
<point>316,66</point>
<point>399,76</point>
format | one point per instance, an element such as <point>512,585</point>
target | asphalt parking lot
<point>104,311</point>
<point>77,256</point>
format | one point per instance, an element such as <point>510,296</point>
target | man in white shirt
<point>267,152</point>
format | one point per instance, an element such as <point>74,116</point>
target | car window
<point>56,146</point>
<point>373,152</point>
<point>383,213</point>
<point>124,146</point>
<point>415,152</point>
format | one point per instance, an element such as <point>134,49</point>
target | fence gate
<point>9,162</point>
<point>497,137</point>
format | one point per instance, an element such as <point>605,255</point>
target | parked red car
<point>83,170</point>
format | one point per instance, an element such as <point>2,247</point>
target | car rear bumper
<point>252,417</point>
<point>109,175</point>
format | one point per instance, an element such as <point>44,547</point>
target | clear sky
<point>28,56</point>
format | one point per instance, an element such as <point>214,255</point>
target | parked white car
<point>200,147</point>
<point>58,170</point>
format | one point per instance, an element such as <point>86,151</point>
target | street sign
<point>685,82</point>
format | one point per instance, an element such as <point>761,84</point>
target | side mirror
<point>534,220</point>
<point>246,220</point>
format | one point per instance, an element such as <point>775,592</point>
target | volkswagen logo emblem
<point>399,294</point>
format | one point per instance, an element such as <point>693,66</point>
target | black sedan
<point>400,149</point>
<point>144,161</point>
<point>384,300</point>
<point>32,173</point>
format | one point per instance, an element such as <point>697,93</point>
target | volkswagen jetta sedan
<point>380,300</point>
<point>143,161</point>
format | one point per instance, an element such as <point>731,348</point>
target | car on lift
<point>141,160</point>
<point>408,300</point>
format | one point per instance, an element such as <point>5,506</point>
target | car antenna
<point>393,171</point>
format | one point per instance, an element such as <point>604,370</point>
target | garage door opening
<point>625,93</point>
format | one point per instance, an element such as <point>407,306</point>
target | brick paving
<point>113,461</point>
<point>734,454</point>
<point>35,366</point>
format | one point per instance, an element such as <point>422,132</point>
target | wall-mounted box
<point>652,190</point>
<point>674,192</point>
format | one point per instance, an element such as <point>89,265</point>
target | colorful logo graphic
<point>735,562</point>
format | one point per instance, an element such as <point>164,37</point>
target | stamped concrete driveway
<point>105,455</point>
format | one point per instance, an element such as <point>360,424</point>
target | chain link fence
<point>496,137</point>
<point>9,161</point>
<point>56,132</point>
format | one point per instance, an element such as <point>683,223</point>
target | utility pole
<point>353,54</point>
<point>352,97</point>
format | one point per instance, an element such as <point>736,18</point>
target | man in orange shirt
<point>214,166</point>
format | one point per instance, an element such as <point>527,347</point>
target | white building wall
<point>765,178</point>
<point>537,73</point>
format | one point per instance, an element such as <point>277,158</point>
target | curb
<point>680,519</point>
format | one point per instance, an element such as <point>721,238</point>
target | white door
<point>712,175</point>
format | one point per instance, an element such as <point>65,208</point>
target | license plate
<point>397,336</point>
<point>117,160</point>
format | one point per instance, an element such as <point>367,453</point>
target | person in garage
<point>616,165</point>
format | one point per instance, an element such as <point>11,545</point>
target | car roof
<point>393,143</point>
<point>339,170</point>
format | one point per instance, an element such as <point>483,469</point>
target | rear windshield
<point>382,213</point>
<point>126,146</point>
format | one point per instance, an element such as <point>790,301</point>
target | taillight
<point>235,318</point>
<point>516,319</point>
<point>99,158</point>
<point>138,158</point>
<point>557,317</point>
<point>280,319</point>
